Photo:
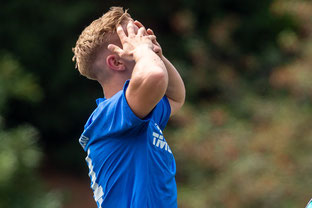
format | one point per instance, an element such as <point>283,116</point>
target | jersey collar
<point>99,100</point>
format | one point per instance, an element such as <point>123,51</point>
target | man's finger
<point>156,49</point>
<point>142,31</point>
<point>152,37</point>
<point>115,49</point>
<point>150,31</point>
<point>138,24</point>
<point>121,33</point>
<point>130,29</point>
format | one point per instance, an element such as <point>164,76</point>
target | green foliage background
<point>19,152</point>
<point>244,137</point>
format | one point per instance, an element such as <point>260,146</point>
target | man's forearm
<point>148,83</point>
<point>149,76</point>
<point>175,90</point>
<point>147,65</point>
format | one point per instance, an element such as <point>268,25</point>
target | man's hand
<point>156,46</point>
<point>149,78</point>
<point>175,91</point>
<point>132,42</point>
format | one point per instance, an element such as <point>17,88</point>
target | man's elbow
<point>180,96</point>
<point>177,103</point>
<point>180,102</point>
<point>175,106</point>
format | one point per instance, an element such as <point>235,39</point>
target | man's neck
<point>112,87</point>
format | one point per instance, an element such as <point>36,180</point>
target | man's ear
<point>115,63</point>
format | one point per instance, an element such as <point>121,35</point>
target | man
<point>130,162</point>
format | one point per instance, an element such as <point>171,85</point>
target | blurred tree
<point>251,146</point>
<point>243,138</point>
<point>41,34</point>
<point>20,185</point>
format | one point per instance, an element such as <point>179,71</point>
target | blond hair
<point>94,37</point>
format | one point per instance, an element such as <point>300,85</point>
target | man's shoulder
<point>106,107</point>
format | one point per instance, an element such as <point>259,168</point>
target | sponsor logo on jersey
<point>158,128</point>
<point>159,141</point>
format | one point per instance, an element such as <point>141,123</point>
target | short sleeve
<point>112,118</point>
<point>161,112</point>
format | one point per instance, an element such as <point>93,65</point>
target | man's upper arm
<point>112,117</point>
<point>143,94</point>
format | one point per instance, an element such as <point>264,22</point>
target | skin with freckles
<point>156,47</point>
<point>149,78</point>
<point>134,53</point>
<point>175,90</point>
<point>132,41</point>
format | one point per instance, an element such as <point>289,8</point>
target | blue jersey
<point>130,162</point>
<point>309,205</point>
